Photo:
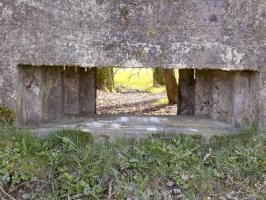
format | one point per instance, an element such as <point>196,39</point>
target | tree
<point>105,79</point>
<point>171,85</point>
<point>158,77</point>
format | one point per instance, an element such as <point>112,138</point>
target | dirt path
<point>133,102</point>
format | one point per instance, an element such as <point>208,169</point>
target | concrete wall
<point>262,104</point>
<point>186,34</point>
<point>246,109</point>
<point>221,89</point>
<point>232,96</point>
<point>48,93</point>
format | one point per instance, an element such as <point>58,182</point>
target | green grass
<point>136,79</point>
<point>69,165</point>
<point>163,101</point>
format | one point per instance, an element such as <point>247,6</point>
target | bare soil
<point>132,102</point>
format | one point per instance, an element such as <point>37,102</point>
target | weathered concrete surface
<point>201,34</point>
<point>29,103</point>
<point>246,98</point>
<point>228,96</point>
<point>221,88</point>
<point>262,98</point>
<point>52,93</point>
<point>202,93</point>
<point>49,93</point>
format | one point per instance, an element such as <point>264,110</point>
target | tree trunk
<point>105,79</point>
<point>158,78</point>
<point>171,85</point>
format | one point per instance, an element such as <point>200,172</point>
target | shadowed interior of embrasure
<point>50,94</point>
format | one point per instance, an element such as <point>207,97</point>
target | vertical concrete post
<point>1,85</point>
<point>187,92</point>
<point>71,91</point>
<point>87,94</point>
<point>202,92</point>
<point>221,88</point>
<point>262,104</point>
<point>52,93</point>
<point>29,96</point>
<point>245,98</point>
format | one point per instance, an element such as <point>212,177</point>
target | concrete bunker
<point>50,93</point>
<point>219,47</point>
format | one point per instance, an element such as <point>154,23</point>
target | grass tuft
<point>163,101</point>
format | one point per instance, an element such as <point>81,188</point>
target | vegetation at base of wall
<point>69,165</point>
<point>6,116</point>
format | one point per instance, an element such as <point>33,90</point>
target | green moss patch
<point>7,115</point>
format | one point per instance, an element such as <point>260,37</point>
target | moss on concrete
<point>7,115</point>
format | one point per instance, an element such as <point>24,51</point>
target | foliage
<point>69,165</point>
<point>162,101</point>
<point>136,79</point>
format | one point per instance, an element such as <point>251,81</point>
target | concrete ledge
<point>112,127</point>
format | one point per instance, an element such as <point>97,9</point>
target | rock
<point>177,191</point>
<point>170,184</point>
